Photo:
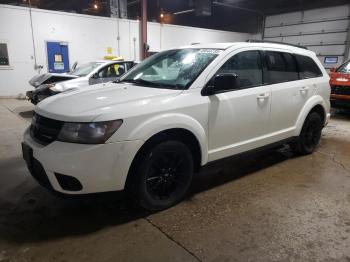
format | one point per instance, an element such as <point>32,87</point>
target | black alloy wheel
<point>310,135</point>
<point>164,176</point>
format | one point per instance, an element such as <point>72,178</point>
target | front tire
<point>310,135</point>
<point>163,176</point>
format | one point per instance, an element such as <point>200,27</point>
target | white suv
<point>173,113</point>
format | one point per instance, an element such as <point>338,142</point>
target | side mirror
<point>221,83</point>
<point>333,69</point>
<point>74,65</point>
<point>95,76</point>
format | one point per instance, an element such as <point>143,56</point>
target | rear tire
<point>163,175</point>
<point>310,135</point>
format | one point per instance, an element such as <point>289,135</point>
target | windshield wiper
<point>141,82</point>
<point>152,84</point>
<point>117,81</point>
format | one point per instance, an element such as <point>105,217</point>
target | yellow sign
<point>58,58</point>
<point>109,50</point>
<point>113,57</point>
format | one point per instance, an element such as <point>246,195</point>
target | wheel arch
<point>179,134</point>
<point>315,104</point>
<point>168,123</point>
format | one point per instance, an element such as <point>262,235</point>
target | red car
<point>340,86</point>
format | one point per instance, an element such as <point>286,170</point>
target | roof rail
<point>274,42</point>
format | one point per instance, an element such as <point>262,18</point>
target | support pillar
<point>143,30</point>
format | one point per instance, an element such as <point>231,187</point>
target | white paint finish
<point>116,159</point>
<point>88,38</point>
<point>318,34</point>
<point>224,124</point>
<point>235,118</point>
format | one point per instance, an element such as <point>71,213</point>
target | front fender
<point>157,124</point>
<point>311,103</point>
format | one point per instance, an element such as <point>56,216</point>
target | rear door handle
<point>263,96</point>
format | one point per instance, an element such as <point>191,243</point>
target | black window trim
<point>297,66</point>
<point>295,61</point>
<point>231,90</point>
<point>262,54</point>
<point>321,75</point>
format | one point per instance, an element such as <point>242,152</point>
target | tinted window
<point>247,66</point>
<point>281,67</point>
<point>307,67</point>
<point>114,70</point>
<point>4,57</point>
<point>130,65</point>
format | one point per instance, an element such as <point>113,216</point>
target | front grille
<point>340,90</point>
<point>45,130</point>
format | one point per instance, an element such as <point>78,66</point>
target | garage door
<point>324,31</point>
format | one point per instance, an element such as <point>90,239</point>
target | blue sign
<point>331,60</point>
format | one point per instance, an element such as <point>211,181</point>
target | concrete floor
<point>268,207</point>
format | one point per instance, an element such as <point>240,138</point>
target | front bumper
<point>98,168</point>
<point>40,94</point>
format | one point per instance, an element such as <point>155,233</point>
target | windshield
<point>173,69</point>
<point>85,69</point>
<point>344,68</point>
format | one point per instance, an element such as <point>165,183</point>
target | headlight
<point>57,88</point>
<point>43,87</point>
<point>88,133</point>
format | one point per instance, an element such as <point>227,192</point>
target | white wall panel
<point>88,38</point>
<point>323,31</point>
<point>173,36</point>
<point>15,31</point>
<point>307,28</point>
<point>330,12</point>
<point>283,18</point>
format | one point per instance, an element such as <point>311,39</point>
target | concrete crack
<point>173,240</point>
<point>333,159</point>
<point>13,112</point>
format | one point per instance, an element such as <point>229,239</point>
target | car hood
<point>339,79</point>
<point>103,102</point>
<point>73,83</point>
<point>49,78</point>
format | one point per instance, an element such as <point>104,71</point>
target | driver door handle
<point>304,88</point>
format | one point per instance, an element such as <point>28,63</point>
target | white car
<point>175,112</point>
<point>82,76</point>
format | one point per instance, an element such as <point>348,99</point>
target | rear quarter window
<point>307,67</point>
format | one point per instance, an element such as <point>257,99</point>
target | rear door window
<point>307,67</point>
<point>281,67</point>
